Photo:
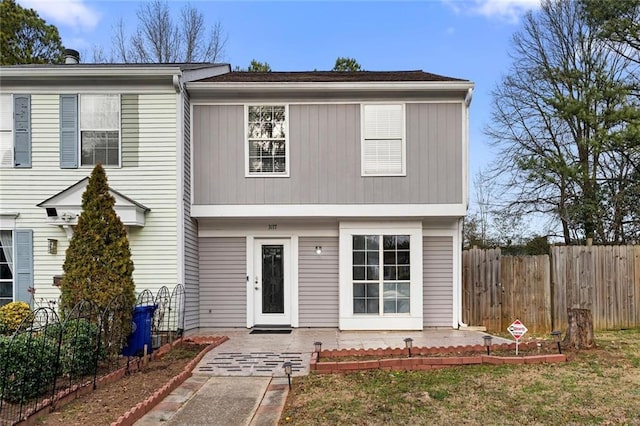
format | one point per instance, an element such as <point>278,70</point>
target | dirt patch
<point>104,405</point>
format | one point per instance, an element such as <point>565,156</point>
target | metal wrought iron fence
<point>48,356</point>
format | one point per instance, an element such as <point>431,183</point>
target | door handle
<point>256,283</point>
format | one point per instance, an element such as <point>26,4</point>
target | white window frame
<point>13,261</point>
<point>81,129</point>
<point>363,140</point>
<point>403,321</point>
<point>6,128</point>
<point>287,147</point>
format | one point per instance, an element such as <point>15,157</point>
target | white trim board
<point>328,210</point>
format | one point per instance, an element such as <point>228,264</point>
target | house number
<point>273,226</point>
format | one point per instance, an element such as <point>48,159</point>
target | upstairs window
<point>100,130</point>
<point>15,131</point>
<point>383,142</point>
<point>267,150</point>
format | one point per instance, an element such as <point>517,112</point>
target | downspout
<point>459,284</point>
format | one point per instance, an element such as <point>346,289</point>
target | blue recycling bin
<point>141,331</point>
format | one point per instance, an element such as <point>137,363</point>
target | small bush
<point>12,315</point>
<point>78,348</point>
<point>27,366</point>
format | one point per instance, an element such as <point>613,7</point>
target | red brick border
<point>420,359</point>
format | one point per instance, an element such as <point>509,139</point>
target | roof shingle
<point>327,76</point>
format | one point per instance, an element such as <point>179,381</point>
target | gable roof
<point>328,76</point>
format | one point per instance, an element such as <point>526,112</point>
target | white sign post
<point>517,330</point>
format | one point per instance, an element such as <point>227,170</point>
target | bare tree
<point>159,38</point>
<point>558,116</point>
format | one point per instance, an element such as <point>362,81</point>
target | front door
<point>272,288</point>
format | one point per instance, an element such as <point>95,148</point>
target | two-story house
<point>329,199</point>
<point>311,199</point>
<point>56,123</point>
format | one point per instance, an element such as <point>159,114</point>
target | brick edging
<point>142,408</point>
<point>420,360</point>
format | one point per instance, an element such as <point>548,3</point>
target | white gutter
<point>80,71</point>
<point>381,86</point>
<point>469,97</point>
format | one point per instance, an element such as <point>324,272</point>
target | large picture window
<point>383,144</point>
<point>100,130</point>
<point>267,140</point>
<point>381,274</point>
<point>6,267</point>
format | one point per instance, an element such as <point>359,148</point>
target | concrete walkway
<point>241,382</point>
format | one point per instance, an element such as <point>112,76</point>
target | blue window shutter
<point>23,264</point>
<point>22,131</point>
<point>68,131</point>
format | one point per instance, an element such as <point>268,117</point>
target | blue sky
<point>459,38</point>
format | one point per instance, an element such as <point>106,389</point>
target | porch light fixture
<point>318,250</point>
<point>487,343</point>
<point>556,336</point>
<point>408,342</point>
<point>287,369</point>
<point>52,246</point>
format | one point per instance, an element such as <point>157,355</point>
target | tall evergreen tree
<point>98,265</point>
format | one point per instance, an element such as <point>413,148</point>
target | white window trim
<point>403,141</point>
<point>13,261</point>
<point>287,140</point>
<point>91,166</point>
<point>350,321</point>
<point>8,129</point>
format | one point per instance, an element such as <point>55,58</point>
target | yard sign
<point>517,330</point>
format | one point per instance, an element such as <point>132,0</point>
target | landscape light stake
<point>487,342</point>
<point>556,335</point>
<point>408,342</point>
<point>318,348</point>
<point>287,370</point>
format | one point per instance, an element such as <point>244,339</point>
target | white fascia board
<point>327,210</point>
<point>248,87</point>
<point>89,71</point>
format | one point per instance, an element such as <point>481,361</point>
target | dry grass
<point>600,386</point>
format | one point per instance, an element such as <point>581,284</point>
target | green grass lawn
<point>599,386</point>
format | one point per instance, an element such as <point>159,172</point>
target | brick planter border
<point>65,396</point>
<point>420,359</point>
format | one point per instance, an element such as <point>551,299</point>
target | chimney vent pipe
<point>71,56</point>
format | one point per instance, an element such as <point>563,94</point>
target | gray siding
<point>324,149</point>
<point>318,282</point>
<point>192,318</point>
<point>437,281</point>
<point>223,294</point>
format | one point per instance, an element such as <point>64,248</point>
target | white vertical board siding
<point>437,281</point>
<point>318,284</point>
<point>190,230</point>
<point>147,175</point>
<point>223,282</point>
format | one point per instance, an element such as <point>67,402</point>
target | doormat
<point>259,331</point>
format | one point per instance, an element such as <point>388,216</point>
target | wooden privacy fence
<point>538,289</point>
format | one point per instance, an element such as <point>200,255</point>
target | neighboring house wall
<point>325,163</point>
<point>437,279</point>
<point>147,175</point>
<point>223,294</point>
<point>318,282</point>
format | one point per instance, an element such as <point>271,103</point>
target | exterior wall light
<point>287,369</point>
<point>52,246</point>
<point>487,343</point>
<point>408,342</point>
<point>556,336</point>
<point>318,250</point>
